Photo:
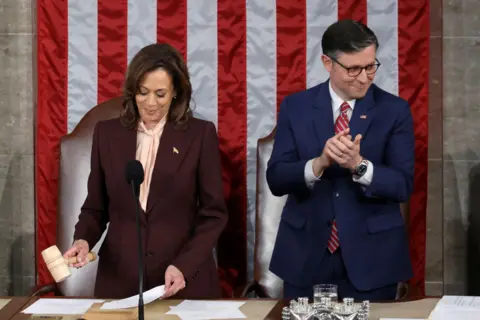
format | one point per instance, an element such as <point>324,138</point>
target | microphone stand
<point>140,256</point>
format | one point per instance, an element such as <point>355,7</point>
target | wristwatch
<point>361,168</point>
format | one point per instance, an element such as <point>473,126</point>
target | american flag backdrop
<point>244,56</point>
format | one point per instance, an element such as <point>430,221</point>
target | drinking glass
<point>325,290</point>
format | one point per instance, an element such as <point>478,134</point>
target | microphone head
<point>134,173</point>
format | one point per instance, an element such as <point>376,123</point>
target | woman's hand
<point>174,281</point>
<point>79,250</point>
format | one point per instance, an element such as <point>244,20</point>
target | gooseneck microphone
<point>135,176</point>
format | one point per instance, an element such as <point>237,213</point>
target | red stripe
<point>172,24</point>
<point>353,9</point>
<point>232,130</point>
<point>413,46</point>
<point>291,47</point>
<point>51,121</point>
<point>112,48</point>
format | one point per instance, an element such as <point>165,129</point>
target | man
<point>344,155</point>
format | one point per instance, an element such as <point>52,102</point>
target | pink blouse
<point>147,147</point>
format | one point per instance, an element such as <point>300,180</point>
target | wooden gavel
<point>58,265</point>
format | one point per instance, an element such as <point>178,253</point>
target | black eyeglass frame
<point>356,70</point>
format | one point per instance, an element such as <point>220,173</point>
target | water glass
<point>325,290</point>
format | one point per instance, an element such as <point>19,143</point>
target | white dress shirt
<point>310,177</point>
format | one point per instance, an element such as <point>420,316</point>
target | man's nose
<point>363,77</point>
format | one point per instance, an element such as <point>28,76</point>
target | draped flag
<point>244,56</point>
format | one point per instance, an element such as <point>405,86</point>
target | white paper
<point>459,302</point>
<point>446,314</point>
<point>208,314</point>
<point>148,296</point>
<point>200,309</point>
<point>208,304</point>
<point>402,318</point>
<point>60,306</point>
<point>456,308</point>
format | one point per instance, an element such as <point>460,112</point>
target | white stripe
<point>142,25</point>
<point>320,14</point>
<point>202,57</point>
<point>383,20</point>
<point>82,59</point>
<point>261,97</point>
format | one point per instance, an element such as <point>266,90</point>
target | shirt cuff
<point>310,177</point>
<point>366,179</point>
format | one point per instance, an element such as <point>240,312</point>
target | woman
<point>181,199</point>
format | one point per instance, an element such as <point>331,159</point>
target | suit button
<point>149,254</point>
<point>336,194</point>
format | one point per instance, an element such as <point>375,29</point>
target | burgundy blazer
<point>184,218</point>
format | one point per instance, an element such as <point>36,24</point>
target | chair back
<point>268,214</point>
<point>75,151</point>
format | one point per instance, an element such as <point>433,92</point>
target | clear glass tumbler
<point>325,290</point>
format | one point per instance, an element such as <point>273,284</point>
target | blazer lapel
<point>363,114</point>
<point>322,116</point>
<point>124,150</point>
<point>172,150</point>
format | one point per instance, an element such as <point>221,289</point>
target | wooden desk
<point>271,309</point>
<point>10,306</point>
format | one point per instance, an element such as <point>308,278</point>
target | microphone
<point>134,175</point>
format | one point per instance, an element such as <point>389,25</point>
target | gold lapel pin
<point>363,116</point>
<point>175,150</point>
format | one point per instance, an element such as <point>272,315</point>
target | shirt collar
<point>155,131</point>
<point>337,101</point>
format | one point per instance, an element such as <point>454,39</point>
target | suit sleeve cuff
<point>310,177</point>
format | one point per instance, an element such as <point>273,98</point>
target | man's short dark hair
<point>347,36</point>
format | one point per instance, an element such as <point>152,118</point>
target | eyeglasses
<point>356,70</point>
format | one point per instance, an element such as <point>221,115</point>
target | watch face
<point>361,169</point>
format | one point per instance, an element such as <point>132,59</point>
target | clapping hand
<point>340,149</point>
<point>346,152</point>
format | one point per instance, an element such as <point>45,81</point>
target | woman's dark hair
<point>148,59</point>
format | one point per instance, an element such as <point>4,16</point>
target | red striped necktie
<point>340,124</point>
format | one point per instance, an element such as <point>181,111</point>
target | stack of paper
<point>199,309</point>
<point>457,307</point>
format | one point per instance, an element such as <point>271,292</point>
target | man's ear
<point>327,63</point>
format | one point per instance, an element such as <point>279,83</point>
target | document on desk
<point>52,306</point>
<point>456,308</point>
<point>200,309</point>
<point>460,302</point>
<point>148,296</point>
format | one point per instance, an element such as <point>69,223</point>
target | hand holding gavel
<point>78,255</point>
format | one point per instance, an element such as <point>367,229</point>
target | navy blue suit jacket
<point>373,238</point>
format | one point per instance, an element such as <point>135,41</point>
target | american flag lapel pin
<point>175,150</point>
<point>363,116</point>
